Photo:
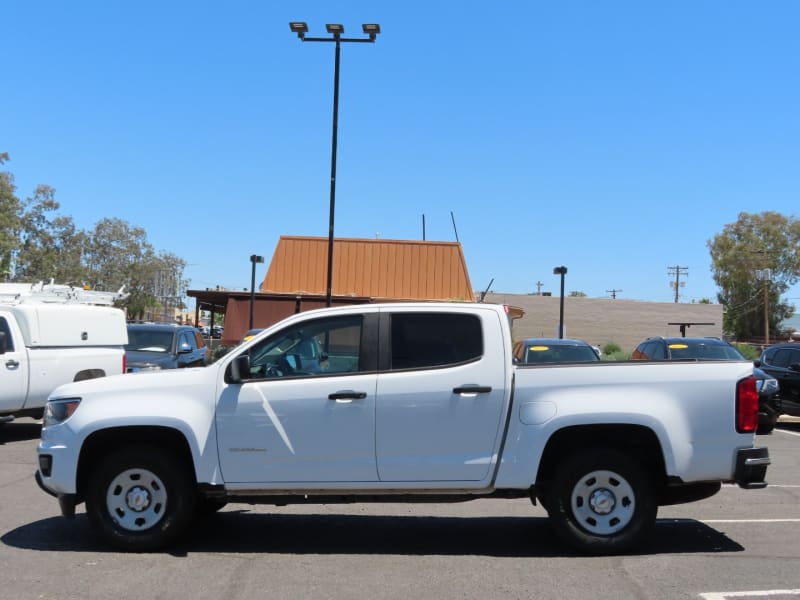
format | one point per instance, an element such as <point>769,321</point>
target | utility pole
<point>677,270</point>
<point>613,293</point>
<point>765,275</point>
<point>539,285</point>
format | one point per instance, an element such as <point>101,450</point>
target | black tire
<point>767,419</point>
<point>601,502</point>
<point>140,498</point>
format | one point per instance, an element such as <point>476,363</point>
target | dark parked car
<point>782,361</point>
<point>680,348</point>
<point>553,350</point>
<point>152,347</point>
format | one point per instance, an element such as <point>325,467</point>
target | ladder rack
<point>18,293</point>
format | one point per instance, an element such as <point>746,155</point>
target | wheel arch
<point>636,440</point>
<point>100,443</point>
<point>89,374</point>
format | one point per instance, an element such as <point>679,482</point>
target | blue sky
<point>613,137</point>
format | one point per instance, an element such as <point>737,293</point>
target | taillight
<point>746,405</point>
<point>124,363</point>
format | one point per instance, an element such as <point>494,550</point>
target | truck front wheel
<point>601,502</point>
<point>140,499</point>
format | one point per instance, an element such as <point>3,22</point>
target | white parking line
<point>749,520</point>
<point>788,432</point>
<point>753,594</point>
<point>771,485</point>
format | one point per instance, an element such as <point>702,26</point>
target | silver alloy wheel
<point>603,502</point>
<point>136,499</point>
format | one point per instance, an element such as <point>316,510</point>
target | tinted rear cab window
<point>421,340</point>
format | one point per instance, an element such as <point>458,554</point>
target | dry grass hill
<point>603,320</point>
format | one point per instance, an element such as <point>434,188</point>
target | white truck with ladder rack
<point>53,334</point>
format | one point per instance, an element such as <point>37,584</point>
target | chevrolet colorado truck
<point>414,402</point>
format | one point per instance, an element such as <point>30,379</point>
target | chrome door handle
<point>347,395</point>
<point>12,364</point>
<point>472,389</point>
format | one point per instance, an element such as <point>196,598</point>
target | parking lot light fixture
<point>334,28</point>
<point>336,32</point>
<point>300,28</point>
<point>371,29</point>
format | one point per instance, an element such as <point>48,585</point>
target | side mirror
<point>184,348</point>
<point>794,367</point>
<point>239,369</point>
<point>3,342</point>
<point>757,363</point>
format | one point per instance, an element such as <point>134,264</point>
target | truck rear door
<point>441,394</point>
<point>13,366</point>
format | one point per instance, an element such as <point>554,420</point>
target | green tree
<point>118,254</point>
<point>49,246</point>
<point>38,244</point>
<point>754,243</point>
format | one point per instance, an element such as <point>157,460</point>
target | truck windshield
<point>149,341</point>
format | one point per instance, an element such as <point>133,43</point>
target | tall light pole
<point>562,270</point>
<point>254,259</point>
<point>336,31</point>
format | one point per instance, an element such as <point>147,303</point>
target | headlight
<point>58,411</point>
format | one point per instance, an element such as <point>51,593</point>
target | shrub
<point>748,351</point>
<point>611,348</point>
<point>219,352</point>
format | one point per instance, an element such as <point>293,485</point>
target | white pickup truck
<point>44,344</point>
<point>414,402</point>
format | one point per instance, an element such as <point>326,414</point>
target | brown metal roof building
<point>364,270</point>
<point>375,268</point>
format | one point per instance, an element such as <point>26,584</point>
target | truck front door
<point>13,367</point>
<point>441,395</point>
<point>307,412</point>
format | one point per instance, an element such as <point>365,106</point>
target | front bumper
<point>66,502</point>
<point>751,467</point>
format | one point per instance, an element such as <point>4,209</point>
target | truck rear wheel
<point>140,499</point>
<point>601,502</point>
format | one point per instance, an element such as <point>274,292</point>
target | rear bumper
<point>751,467</point>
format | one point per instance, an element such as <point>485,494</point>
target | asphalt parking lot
<point>737,544</point>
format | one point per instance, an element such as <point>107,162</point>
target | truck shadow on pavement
<point>234,531</point>
<point>19,432</point>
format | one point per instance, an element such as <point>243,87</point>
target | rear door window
<point>423,340</point>
<point>782,358</point>
<point>7,330</point>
